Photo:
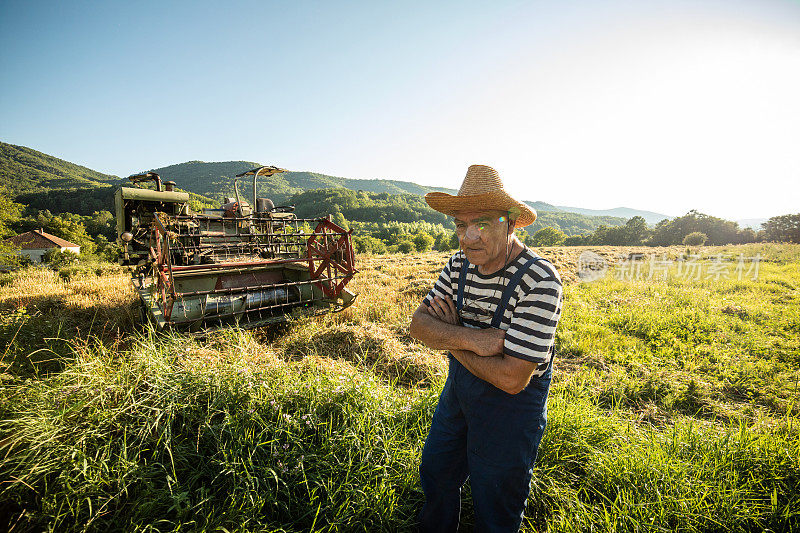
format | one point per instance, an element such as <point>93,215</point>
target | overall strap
<point>462,278</point>
<point>510,288</point>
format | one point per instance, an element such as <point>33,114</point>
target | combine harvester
<point>235,264</point>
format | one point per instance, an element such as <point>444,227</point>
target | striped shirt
<point>532,313</point>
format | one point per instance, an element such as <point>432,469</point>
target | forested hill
<point>24,170</point>
<point>43,182</point>
<point>215,180</point>
<point>365,206</point>
<point>384,208</point>
<point>624,212</point>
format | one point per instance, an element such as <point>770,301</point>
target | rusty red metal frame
<point>335,257</point>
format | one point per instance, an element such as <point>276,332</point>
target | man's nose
<point>472,233</point>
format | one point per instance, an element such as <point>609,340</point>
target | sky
<point>658,105</point>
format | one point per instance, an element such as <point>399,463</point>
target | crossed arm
<point>479,350</point>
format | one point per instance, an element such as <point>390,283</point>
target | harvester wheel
<point>330,258</point>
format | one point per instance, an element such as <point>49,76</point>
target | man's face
<point>483,236</point>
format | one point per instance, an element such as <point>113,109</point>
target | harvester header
<point>251,264</point>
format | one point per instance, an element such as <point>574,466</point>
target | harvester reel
<point>162,269</point>
<point>330,258</point>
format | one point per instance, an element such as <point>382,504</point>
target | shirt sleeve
<point>533,322</point>
<point>443,286</point>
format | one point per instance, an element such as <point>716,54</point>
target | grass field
<point>674,404</point>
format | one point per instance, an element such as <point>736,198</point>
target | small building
<point>34,244</point>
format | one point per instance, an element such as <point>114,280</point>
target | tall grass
<point>675,407</point>
<point>159,442</point>
<point>175,435</point>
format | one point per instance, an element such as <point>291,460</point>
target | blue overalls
<point>481,432</point>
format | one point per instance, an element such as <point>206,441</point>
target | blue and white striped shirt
<point>532,314</point>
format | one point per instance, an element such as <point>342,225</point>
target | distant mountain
<point>24,170</point>
<point>754,223</point>
<point>46,182</point>
<point>542,207</point>
<point>215,180</point>
<point>572,223</point>
<point>624,212</point>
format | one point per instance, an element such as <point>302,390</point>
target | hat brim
<point>496,200</point>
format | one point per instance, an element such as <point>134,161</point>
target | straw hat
<point>482,190</point>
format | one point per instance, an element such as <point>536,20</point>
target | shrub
<point>575,240</point>
<point>406,247</point>
<point>57,259</point>
<point>454,244</point>
<point>369,245</point>
<point>696,238</point>
<point>442,242</point>
<point>548,236</point>
<point>10,257</point>
<point>423,242</point>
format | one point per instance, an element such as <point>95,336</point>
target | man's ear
<point>511,226</point>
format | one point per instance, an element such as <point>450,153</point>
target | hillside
<point>754,223</point>
<point>24,170</point>
<point>215,180</point>
<point>572,223</point>
<point>619,212</point>
<point>42,181</point>
<point>365,206</point>
<point>543,206</point>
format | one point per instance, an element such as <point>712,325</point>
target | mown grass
<point>715,349</point>
<point>674,408</point>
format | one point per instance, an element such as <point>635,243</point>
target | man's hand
<point>439,327</point>
<point>490,342</point>
<point>445,310</point>
<point>479,350</point>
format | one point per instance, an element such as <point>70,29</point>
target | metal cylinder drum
<point>215,305</point>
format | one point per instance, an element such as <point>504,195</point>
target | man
<point>495,308</point>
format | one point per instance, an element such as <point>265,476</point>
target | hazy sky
<point>665,106</point>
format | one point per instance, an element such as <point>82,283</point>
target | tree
<point>339,220</point>
<point>406,247</point>
<point>576,240</point>
<point>747,235</point>
<point>57,259</point>
<point>423,242</point>
<point>784,228</point>
<point>101,223</point>
<point>719,231</point>
<point>107,251</point>
<point>548,236</point>
<point>71,230</point>
<point>454,243</point>
<point>695,238</point>
<point>9,256</point>
<point>636,231</point>
<point>366,244</point>
<point>524,237</point>
<point>9,212</point>
<point>442,242</point>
